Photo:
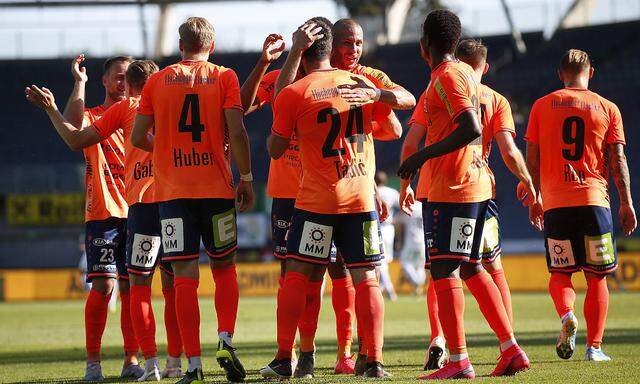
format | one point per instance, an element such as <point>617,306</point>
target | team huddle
<point>159,183</point>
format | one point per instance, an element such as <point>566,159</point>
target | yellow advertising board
<point>525,273</point>
<point>45,209</point>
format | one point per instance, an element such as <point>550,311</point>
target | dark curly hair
<point>321,48</point>
<point>442,30</point>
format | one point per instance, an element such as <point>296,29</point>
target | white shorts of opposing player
<point>412,258</point>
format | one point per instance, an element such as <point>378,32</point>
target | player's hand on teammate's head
<point>271,50</point>
<point>305,36</point>
<point>244,196</point>
<point>536,215</point>
<point>627,218</point>
<point>407,199</point>
<point>411,165</point>
<point>79,73</point>
<point>40,97</point>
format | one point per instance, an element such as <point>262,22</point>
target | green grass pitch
<point>44,342</point>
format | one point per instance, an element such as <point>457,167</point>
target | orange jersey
<point>191,139</point>
<point>495,116</point>
<point>572,128</point>
<point>104,174</point>
<point>138,167</point>
<point>335,139</point>
<point>461,176</point>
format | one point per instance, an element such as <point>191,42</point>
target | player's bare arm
<point>140,135</point>
<point>468,130</point>
<point>533,164</point>
<point>277,146</point>
<point>303,38</point>
<point>396,97</point>
<point>75,138</point>
<point>620,171</point>
<point>388,128</point>
<point>271,51</point>
<point>514,160</point>
<point>409,147</point>
<point>239,142</point>
<point>74,109</point>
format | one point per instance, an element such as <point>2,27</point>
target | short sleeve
<point>110,120</point>
<point>502,119</point>
<point>454,89</point>
<point>146,98</point>
<point>266,88</point>
<point>615,133</point>
<point>284,120</point>
<point>419,115</point>
<point>533,128</point>
<point>379,78</point>
<point>231,90</point>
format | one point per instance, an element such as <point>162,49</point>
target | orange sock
<point>174,342</point>
<point>291,305</point>
<point>226,297</point>
<point>131,345</point>
<point>596,305</point>
<point>188,314</point>
<point>95,318</point>
<point>500,281</point>
<point>490,301</point>
<point>562,293</point>
<point>309,320</point>
<point>343,299</point>
<point>144,322</point>
<point>432,310</point>
<point>451,310</point>
<point>370,307</point>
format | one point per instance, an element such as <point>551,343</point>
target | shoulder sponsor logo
<point>462,230</point>
<point>144,250</point>
<point>172,235</point>
<point>560,253</point>
<point>316,240</point>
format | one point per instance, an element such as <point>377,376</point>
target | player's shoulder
<point>369,71</point>
<point>496,96</point>
<point>271,75</point>
<point>606,103</point>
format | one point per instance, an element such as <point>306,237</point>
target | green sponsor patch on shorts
<point>224,228</point>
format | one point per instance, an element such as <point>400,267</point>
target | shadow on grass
<point>252,349</point>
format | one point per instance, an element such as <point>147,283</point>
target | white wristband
<point>378,94</point>
<point>247,177</point>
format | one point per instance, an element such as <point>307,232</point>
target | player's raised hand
<point>78,72</point>
<point>627,218</point>
<point>244,196</point>
<point>360,92</point>
<point>41,97</point>
<point>407,199</point>
<point>411,165</point>
<point>305,36</point>
<point>271,50</point>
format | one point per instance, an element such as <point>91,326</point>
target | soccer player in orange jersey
<point>456,186</point>
<point>195,109</point>
<point>143,225</point>
<point>335,200</point>
<point>574,138</point>
<point>106,210</point>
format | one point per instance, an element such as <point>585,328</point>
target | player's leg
<point>95,319</point>
<point>220,239</point>
<point>173,367</point>
<point>308,325</point>
<point>436,355</point>
<point>181,246</point>
<point>561,241</point>
<point>600,260</point>
<point>343,296</point>
<point>491,251</point>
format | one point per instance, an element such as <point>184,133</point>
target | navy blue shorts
<point>580,238</point>
<point>144,246</point>
<point>356,237</point>
<point>185,222</point>
<point>105,247</point>
<point>453,231</point>
<point>281,213</point>
<point>491,244</point>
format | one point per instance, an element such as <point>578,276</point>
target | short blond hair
<point>196,34</point>
<point>575,61</point>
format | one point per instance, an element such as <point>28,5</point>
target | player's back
<point>335,139</point>
<point>191,139</point>
<point>572,128</point>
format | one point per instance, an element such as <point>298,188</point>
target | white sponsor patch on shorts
<point>462,230</point>
<point>316,240</point>
<point>490,236</point>
<point>600,250</point>
<point>560,253</point>
<point>144,250</point>
<point>172,235</point>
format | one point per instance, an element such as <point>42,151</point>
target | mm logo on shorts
<point>462,229</point>
<point>172,235</point>
<point>224,228</point>
<point>560,253</point>
<point>144,250</point>
<point>315,240</point>
<point>600,249</point>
